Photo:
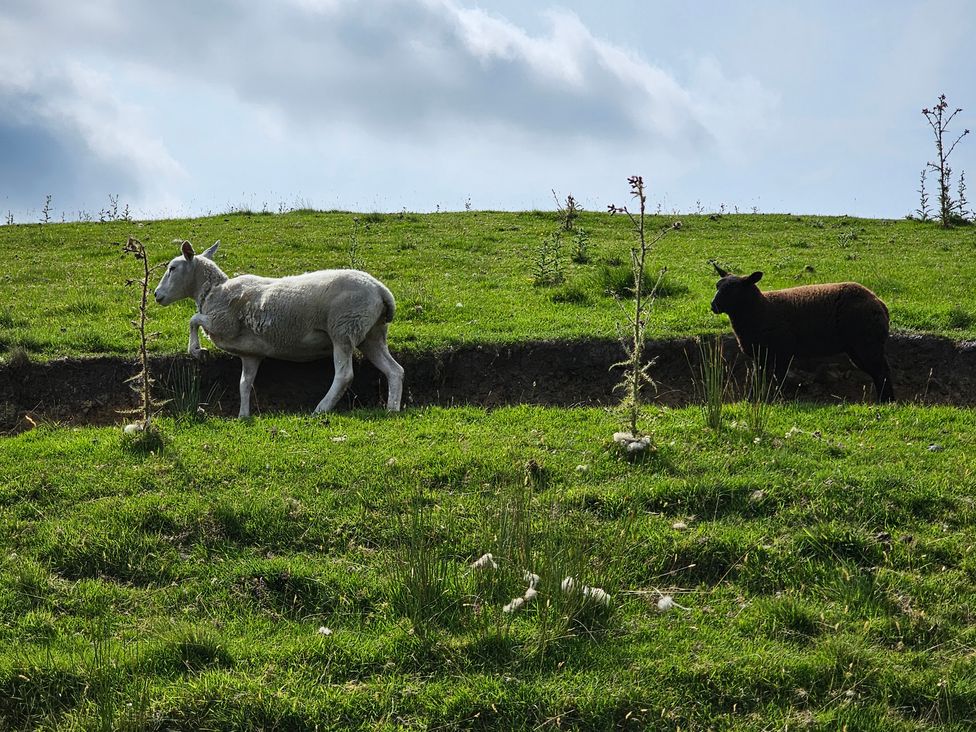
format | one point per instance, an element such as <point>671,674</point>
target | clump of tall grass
<point>183,389</point>
<point>763,390</point>
<point>711,382</point>
<point>425,582</point>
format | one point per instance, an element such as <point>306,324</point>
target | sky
<point>190,107</point>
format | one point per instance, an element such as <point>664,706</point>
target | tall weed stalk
<point>633,334</point>
<point>142,382</point>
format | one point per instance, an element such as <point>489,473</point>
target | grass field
<point>302,573</point>
<point>298,573</point>
<point>468,277</point>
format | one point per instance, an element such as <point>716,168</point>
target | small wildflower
<point>339,438</point>
<point>324,631</point>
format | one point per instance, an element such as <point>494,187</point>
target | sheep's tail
<point>389,304</point>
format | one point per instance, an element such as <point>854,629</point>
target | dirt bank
<point>925,369</point>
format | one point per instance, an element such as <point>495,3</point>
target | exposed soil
<point>925,369</point>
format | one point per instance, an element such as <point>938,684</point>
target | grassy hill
<point>469,277</point>
<point>301,573</point>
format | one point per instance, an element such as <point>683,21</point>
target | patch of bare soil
<point>925,369</point>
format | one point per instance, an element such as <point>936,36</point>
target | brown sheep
<point>813,320</point>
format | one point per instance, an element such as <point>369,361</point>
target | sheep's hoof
<point>199,354</point>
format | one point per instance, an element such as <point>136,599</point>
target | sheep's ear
<point>721,272</point>
<point>211,250</point>
<point>754,277</point>
<point>187,250</point>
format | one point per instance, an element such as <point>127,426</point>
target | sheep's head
<point>733,291</point>
<point>180,279</point>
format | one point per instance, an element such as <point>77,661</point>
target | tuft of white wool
<point>297,318</point>
<point>631,442</point>
<point>531,578</point>
<point>530,594</point>
<point>568,585</point>
<point>665,603</point>
<point>514,605</point>
<point>324,630</point>
<point>485,561</point>
<point>134,428</point>
<point>597,595</point>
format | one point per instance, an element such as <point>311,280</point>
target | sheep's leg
<point>249,369</point>
<point>876,366</point>
<point>376,350</point>
<point>196,322</point>
<point>342,358</point>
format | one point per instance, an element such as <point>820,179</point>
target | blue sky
<point>184,108</point>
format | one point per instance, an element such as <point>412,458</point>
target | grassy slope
<point>466,277</point>
<point>828,571</point>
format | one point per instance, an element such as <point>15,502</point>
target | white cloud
<point>408,77</point>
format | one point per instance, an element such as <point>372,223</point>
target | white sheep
<point>298,318</point>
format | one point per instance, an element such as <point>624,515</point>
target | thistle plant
<point>939,121</point>
<point>581,246</point>
<point>547,266</point>
<point>633,334</point>
<point>142,382</point>
<point>961,203</point>
<point>923,211</point>
<point>569,211</point>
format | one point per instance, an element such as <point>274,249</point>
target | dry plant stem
<point>143,378</point>
<point>939,122</point>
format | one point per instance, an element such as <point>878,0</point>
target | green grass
<point>467,277</point>
<point>827,569</point>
